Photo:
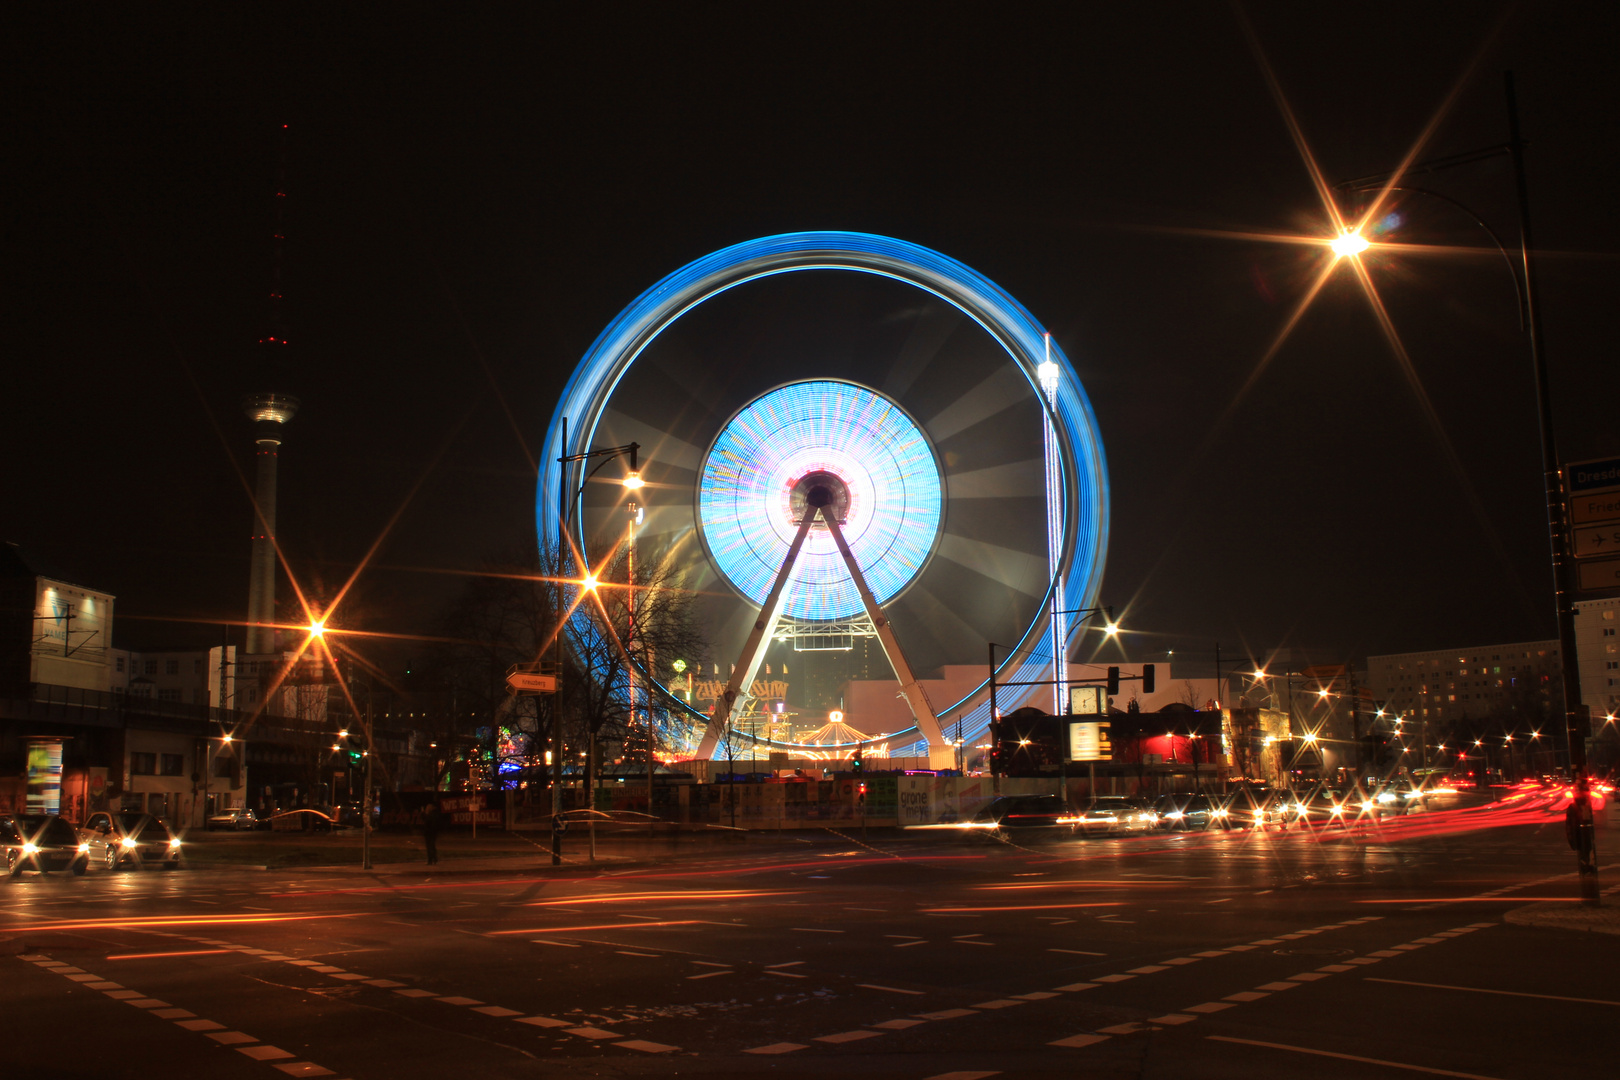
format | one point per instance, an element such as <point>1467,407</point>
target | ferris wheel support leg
<point>753,650</point>
<point>941,754</point>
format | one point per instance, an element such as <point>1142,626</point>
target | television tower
<point>268,410</point>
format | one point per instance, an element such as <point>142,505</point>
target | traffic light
<point>355,747</point>
<point>1147,678</point>
<point>1113,682</point>
<point>855,763</point>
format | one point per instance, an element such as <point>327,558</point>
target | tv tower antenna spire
<point>269,411</point>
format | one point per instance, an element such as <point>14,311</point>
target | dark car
<point>1025,812</point>
<point>42,843</point>
<point>115,839</point>
<point>1185,811</point>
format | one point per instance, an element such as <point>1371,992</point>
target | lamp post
<point>1524,277</point>
<point>570,497</point>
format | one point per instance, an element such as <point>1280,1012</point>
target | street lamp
<point>1349,244</point>
<point>632,481</point>
<point>1524,279</point>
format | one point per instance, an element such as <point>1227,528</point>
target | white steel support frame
<point>1049,375</point>
<point>753,652</point>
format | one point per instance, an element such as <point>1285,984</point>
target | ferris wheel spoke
<point>932,328</point>
<point>1006,566</point>
<point>998,481</point>
<point>1004,388</point>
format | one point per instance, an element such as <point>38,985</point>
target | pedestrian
<point>430,831</point>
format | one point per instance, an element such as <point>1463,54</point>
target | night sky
<point>474,192</point>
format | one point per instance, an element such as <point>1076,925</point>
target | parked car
<point>1186,811</point>
<point>1025,812</point>
<point>1113,815</point>
<point>42,843</point>
<point>236,817</point>
<point>116,839</point>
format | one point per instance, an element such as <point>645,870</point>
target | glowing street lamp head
<point>317,628</point>
<point>589,584</point>
<point>1111,629</point>
<point>633,480</point>
<point>1348,243</point>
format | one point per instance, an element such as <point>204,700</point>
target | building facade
<point>1449,685</point>
<point>1597,651</point>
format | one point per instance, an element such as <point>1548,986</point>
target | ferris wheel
<point>844,437</point>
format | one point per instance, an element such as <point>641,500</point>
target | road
<point>1365,953</point>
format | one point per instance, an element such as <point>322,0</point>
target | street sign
<point>527,682</point>
<point>1594,574</point>
<point>1593,475</point>
<point>1586,508</point>
<point>1088,741</point>
<point>1592,540</point>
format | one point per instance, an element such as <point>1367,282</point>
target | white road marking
<point>908,944</point>
<point>1351,1057</point>
<point>712,974</point>
<point>945,1014</point>
<point>814,930</point>
<point>1078,952</point>
<point>790,963</point>
<point>1505,993</point>
<point>646,1047</point>
<point>890,989</point>
<point>848,1036</point>
<point>776,1048</point>
<point>1079,1040</point>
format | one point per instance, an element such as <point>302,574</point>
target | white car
<point>237,817</point>
<point>1111,814</point>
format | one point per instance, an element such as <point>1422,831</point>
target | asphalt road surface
<point>1360,953</point>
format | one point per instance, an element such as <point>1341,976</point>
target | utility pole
<point>365,807</point>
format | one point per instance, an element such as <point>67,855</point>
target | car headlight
<point>1337,809</point>
<point>1366,804</point>
<point>174,842</point>
<point>128,841</point>
<point>1386,796</point>
<point>30,849</point>
<point>1299,808</point>
<point>84,849</point>
<point>1175,815</point>
<point>1217,813</point>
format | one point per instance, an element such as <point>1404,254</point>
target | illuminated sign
<point>1088,741</point>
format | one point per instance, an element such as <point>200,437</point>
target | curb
<point>1598,920</point>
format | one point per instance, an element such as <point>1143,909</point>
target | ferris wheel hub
<point>816,489</point>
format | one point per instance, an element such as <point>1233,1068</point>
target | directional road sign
<point>527,682</point>
<point>1597,540</point>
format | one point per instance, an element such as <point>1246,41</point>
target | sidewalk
<point>1570,916</point>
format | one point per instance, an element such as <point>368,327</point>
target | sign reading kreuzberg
<point>529,682</point>
<point>1594,522</point>
<point>1088,741</point>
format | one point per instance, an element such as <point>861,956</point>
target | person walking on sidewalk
<point>430,831</point>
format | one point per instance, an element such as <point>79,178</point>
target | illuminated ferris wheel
<point>844,436</point>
